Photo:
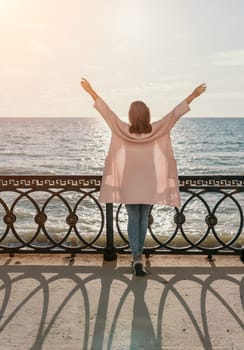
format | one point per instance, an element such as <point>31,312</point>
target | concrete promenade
<point>49,302</point>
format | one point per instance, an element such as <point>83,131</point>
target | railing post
<point>242,255</point>
<point>109,251</point>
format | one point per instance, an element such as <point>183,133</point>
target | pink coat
<point>140,168</point>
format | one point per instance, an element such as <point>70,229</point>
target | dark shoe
<point>138,268</point>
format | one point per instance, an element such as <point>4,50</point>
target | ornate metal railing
<point>62,214</point>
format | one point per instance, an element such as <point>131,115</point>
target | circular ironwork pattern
<point>40,218</point>
<point>72,219</point>
<point>211,220</point>
<point>56,188</point>
<point>180,220</point>
<point>9,218</point>
<point>40,237</point>
<point>239,231</point>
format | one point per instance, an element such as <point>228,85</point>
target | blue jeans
<point>137,226</point>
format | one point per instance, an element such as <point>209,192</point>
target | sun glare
<point>140,22</point>
<point>132,22</point>
<point>4,3</point>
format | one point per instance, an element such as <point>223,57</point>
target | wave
<point>57,146</point>
<point>178,241</point>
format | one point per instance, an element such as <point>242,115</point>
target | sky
<point>156,51</point>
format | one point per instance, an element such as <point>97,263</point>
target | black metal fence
<point>62,214</point>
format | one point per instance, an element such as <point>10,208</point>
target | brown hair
<point>139,117</point>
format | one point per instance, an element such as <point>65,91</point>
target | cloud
<point>39,47</point>
<point>17,71</point>
<point>91,67</point>
<point>233,58</point>
<point>227,95</point>
<point>30,26</point>
<point>168,86</point>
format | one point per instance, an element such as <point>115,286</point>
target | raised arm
<point>101,106</point>
<point>87,87</point>
<point>197,92</point>
<point>169,120</point>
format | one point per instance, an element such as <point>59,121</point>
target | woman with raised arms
<point>140,169</point>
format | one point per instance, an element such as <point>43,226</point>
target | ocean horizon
<point>78,146</point>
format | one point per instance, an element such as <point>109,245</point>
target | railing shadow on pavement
<point>104,307</point>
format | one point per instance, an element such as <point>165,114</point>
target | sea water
<point>73,146</point>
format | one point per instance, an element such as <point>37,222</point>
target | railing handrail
<point>94,181</point>
<point>50,181</point>
<point>211,181</point>
<point>87,188</point>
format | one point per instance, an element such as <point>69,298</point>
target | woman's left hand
<point>88,88</point>
<point>199,90</point>
<point>86,85</point>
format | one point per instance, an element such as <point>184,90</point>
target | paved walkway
<point>51,303</point>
